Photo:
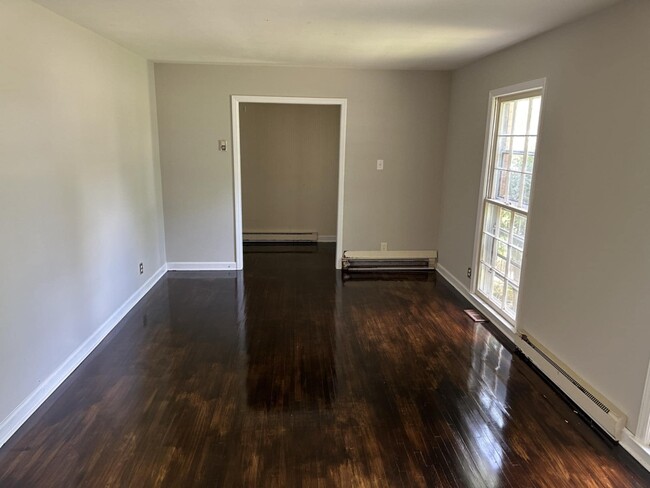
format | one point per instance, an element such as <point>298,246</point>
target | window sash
<point>491,264</point>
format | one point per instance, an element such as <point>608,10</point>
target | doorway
<point>242,107</point>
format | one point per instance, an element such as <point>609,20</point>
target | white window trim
<point>533,85</point>
<point>643,427</point>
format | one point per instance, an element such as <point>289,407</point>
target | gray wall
<point>79,190</point>
<point>290,167</point>
<point>587,267</point>
<point>397,116</point>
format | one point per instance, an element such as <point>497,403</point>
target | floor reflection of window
<point>490,373</point>
<point>487,384</point>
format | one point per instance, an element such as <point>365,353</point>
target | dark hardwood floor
<point>287,375</point>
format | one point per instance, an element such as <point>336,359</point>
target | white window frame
<point>643,427</point>
<point>503,319</point>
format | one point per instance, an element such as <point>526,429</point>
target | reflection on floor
<point>287,375</point>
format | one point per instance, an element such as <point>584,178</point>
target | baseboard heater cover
<point>386,261</point>
<point>592,402</point>
<point>281,236</point>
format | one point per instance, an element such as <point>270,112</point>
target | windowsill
<point>500,315</point>
<point>495,317</point>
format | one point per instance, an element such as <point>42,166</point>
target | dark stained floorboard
<point>287,375</point>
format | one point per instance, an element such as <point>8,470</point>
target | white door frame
<point>236,149</point>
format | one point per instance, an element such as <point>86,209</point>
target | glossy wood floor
<point>290,376</point>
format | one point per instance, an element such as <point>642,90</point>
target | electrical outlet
<point>141,268</point>
<point>380,164</point>
<point>469,272</point>
<point>383,246</point>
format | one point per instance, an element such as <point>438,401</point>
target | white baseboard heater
<point>383,261</point>
<point>592,402</point>
<point>281,236</point>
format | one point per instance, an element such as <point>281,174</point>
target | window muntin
<point>505,207</point>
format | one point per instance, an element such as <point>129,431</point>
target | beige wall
<point>80,200</point>
<point>587,268</point>
<point>397,116</point>
<point>289,165</point>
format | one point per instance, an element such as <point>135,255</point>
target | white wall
<point>397,116</point>
<point>289,167</point>
<point>586,277</point>
<point>79,199</point>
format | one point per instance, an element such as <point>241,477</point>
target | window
<point>505,203</point>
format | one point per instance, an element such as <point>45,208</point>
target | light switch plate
<point>380,164</point>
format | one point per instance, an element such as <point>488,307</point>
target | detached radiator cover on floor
<point>591,401</point>
<point>367,261</point>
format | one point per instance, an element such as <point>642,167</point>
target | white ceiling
<point>404,34</point>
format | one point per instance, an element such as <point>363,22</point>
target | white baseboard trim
<point>326,238</point>
<point>628,441</point>
<point>637,450</point>
<point>29,405</point>
<point>497,321</point>
<point>201,266</point>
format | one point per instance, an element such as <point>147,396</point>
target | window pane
<point>504,146</point>
<point>484,279</point>
<point>517,161</point>
<point>505,220</point>
<point>507,117</point>
<point>519,144</point>
<point>521,116</point>
<point>491,215</point>
<point>498,289</point>
<point>519,230</point>
<point>534,118</point>
<point>500,265</point>
<point>527,185</point>
<point>514,270</point>
<point>487,248</point>
<point>501,258</point>
<point>530,156</point>
<point>500,185</point>
<point>512,295</point>
<point>514,189</point>
<point>530,161</point>
<point>502,249</point>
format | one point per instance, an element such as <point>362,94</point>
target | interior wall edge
<point>155,145</point>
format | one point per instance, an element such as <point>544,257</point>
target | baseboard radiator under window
<point>592,402</point>
<point>387,261</point>
<point>280,236</point>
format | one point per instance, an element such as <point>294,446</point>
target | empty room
<point>293,244</point>
<point>289,158</point>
